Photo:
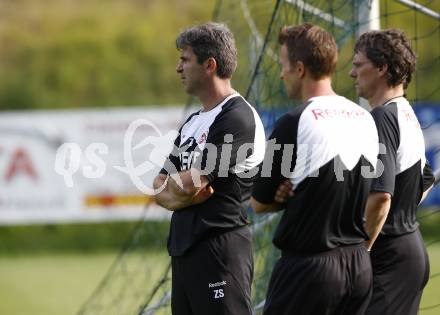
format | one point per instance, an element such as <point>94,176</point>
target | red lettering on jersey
<point>409,115</point>
<point>317,112</point>
<point>20,163</point>
<point>331,113</point>
<point>337,113</point>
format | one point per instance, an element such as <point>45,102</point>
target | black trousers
<point>400,273</point>
<point>336,282</point>
<point>214,277</point>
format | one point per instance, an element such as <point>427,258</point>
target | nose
<point>179,68</point>
<point>352,73</point>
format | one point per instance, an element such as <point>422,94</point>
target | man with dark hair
<point>207,180</point>
<point>383,65</point>
<point>327,149</point>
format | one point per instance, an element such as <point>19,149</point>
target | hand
<point>159,180</point>
<point>203,195</point>
<point>367,245</point>
<point>284,192</point>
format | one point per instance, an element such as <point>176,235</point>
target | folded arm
<point>181,190</point>
<point>283,193</point>
<point>264,207</point>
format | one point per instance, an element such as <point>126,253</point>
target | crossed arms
<point>175,196</point>
<point>282,194</point>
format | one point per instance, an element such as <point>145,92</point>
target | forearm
<point>274,207</point>
<point>166,198</point>
<point>171,202</point>
<point>177,195</point>
<point>265,208</point>
<point>425,194</point>
<point>376,212</point>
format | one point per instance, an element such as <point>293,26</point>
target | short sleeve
<point>271,175</point>
<point>231,137</point>
<point>387,126</point>
<point>172,163</point>
<point>428,177</point>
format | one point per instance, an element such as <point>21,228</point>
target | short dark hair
<point>211,40</point>
<point>313,46</point>
<point>389,47</point>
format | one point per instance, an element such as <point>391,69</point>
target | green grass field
<point>45,284</point>
<point>49,284</point>
<point>431,294</point>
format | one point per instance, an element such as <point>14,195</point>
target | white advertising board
<point>83,165</point>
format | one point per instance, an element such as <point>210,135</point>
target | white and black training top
<point>330,152</point>
<point>226,143</point>
<point>406,173</point>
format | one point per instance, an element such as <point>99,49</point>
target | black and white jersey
<point>227,144</point>
<point>329,151</point>
<point>402,166</point>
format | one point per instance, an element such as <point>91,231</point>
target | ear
<point>210,65</point>
<point>382,71</point>
<point>300,69</point>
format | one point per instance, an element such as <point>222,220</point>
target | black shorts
<point>400,272</point>
<point>214,277</point>
<point>337,282</point>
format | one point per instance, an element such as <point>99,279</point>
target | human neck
<point>383,95</point>
<point>214,93</point>
<point>313,88</point>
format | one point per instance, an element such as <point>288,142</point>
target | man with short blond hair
<point>328,152</point>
